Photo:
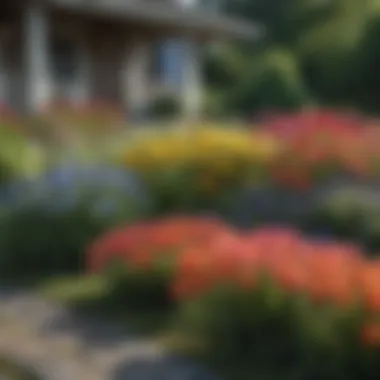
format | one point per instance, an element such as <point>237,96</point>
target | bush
<point>321,145</point>
<point>188,170</point>
<point>282,305</point>
<point>18,156</point>
<point>268,299</point>
<point>273,82</point>
<point>342,213</point>
<point>351,213</point>
<point>139,259</point>
<point>165,106</point>
<point>46,223</point>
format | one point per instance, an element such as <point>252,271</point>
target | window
<point>171,61</point>
<point>64,60</point>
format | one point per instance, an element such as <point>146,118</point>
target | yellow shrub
<point>213,154</point>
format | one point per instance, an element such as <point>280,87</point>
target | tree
<point>273,81</point>
<point>334,43</point>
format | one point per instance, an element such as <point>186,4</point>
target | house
<point>80,50</point>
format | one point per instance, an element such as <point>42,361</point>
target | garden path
<point>60,344</point>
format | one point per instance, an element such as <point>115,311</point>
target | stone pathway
<point>58,344</point>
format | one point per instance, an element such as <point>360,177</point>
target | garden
<point>252,247</point>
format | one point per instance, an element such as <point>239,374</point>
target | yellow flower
<point>205,147</point>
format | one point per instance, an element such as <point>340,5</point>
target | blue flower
<point>68,187</point>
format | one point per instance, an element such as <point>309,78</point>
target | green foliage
<point>351,214</point>
<point>365,63</point>
<point>224,65</point>
<point>284,20</point>
<point>236,331</point>
<point>140,288</point>
<point>165,106</point>
<point>290,339</point>
<point>342,213</point>
<point>46,223</point>
<point>272,81</point>
<point>18,156</point>
<point>335,42</point>
<point>35,242</point>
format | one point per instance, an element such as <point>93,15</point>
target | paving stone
<point>59,344</point>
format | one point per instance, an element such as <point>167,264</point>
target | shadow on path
<point>162,368</point>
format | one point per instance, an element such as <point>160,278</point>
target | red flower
<point>370,334</point>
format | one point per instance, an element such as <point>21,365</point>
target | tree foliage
<point>334,45</point>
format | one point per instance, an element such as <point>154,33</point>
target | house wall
<point>101,50</point>
<point>120,60</point>
<point>107,53</point>
<point>104,48</point>
<point>113,61</point>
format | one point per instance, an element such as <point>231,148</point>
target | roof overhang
<point>184,20</point>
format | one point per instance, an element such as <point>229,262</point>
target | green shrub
<point>352,213</point>
<point>265,332</point>
<point>237,331</point>
<point>193,171</point>
<point>272,82</point>
<point>142,289</point>
<point>165,106</point>
<point>19,157</point>
<point>342,213</point>
<point>47,223</point>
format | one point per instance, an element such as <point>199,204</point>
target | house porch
<point>48,54</point>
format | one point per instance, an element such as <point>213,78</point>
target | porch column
<point>191,87</point>
<point>38,89</point>
<point>82,86</point>
<point>3,74</point>
<point>135,78</point>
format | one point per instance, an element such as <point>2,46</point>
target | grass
<point>74,288</point>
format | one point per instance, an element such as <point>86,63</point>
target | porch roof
<point>165,15</point>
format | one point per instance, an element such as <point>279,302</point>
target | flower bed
<point>194,168</point>
<point>320,145</point>
<point>278,173</point>
<point>47,221</point>
<point>295,151</point>
<point>288,158</point>
<point>140,257</point>
<point>268,296</point>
